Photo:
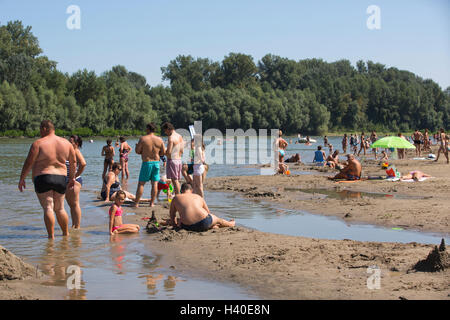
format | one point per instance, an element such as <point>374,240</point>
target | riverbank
<point>276,266</point>
<point>22,281</point>
<point>421,206</point>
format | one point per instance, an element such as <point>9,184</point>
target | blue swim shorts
<point>149,171</point>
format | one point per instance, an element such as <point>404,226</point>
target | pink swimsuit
<point>119,212</point>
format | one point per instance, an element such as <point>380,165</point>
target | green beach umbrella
<point>392,142</point>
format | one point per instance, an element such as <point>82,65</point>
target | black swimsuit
<point>114,188</point>
<point>47,182</point>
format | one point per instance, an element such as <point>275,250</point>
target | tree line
<point>310,96</point>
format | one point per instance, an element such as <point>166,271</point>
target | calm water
<point>126,269</point>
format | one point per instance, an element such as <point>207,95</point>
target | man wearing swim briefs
<point>194,213</point>
<point>352,171</point>
<point>417,137</point>
<point>47,160</point>
<point>151,148</point>
<point>174,152</point>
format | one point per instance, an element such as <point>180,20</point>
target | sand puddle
<point>267,217</point>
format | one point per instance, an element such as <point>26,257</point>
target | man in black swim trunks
<point>47,160</point>
<point>194,213</point>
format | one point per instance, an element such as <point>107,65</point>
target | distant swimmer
<point>47,160</point>
<point>194,213</point>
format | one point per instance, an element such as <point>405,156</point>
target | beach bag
<point>392,172</point>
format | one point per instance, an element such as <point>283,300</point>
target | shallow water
<point>268,217</point>
<point>125,269</point>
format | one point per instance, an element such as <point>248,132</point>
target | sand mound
<point>438,260</point>
<point>12,267</point>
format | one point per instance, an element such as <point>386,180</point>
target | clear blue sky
<point>144,35</point>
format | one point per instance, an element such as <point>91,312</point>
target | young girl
<point>115,217</point>
<point>108,152</point>
<point>199,165</point>
<point>124,150</point>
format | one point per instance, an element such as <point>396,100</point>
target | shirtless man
<point>174,152</point>
<point>194,213</point>
<point>373,139</point>
<point>333,159</point>
<point>352,171</point>
<point>417,138</point>
<point>443,139</point>
<point>47,160</point>
<point>150,147</point>
<point>362,144</point>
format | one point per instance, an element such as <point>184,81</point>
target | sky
<point>145,35</point>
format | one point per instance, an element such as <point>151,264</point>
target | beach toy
<point>288,172</point>
<point>385,165</point>
<point>170,188</point>
<point>397,229</point>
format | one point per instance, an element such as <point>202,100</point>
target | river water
<point>126,269</point>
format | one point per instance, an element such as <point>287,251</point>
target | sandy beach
<point>274,266</point>
<point>286,267</point>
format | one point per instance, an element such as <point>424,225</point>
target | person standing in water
<point>174,152</point>
<point>344,143</point>
<point>47,161</point>
<point>151,148</point>
<point>73,195</point>
<point>108,152</point>
<point>124,150</point>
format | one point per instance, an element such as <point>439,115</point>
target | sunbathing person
<point>194,213</point>
<point>294,158</point>
<point>415,175</point>
<point>333,159</point>
<point>352,171</point>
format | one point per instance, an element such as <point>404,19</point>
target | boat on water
<point>304,140</point>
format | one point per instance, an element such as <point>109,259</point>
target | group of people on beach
<point>57,165</point>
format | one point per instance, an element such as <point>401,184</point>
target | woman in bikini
<point>108,152</point>
<point>111,186</point>
<point>73,195</point>
<point>124,150</point>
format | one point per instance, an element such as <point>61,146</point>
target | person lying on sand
<point>352,171</point>
<point>415,175</point>
<point>294,158</point>
<point>194,213</point>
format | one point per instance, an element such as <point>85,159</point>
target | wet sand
<point>276,266</point>
<point>22,281</point>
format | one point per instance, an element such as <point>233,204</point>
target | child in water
<point>165,184</point>
<point>115,217</point>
